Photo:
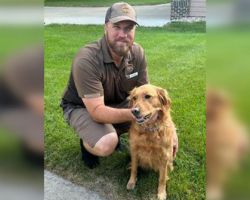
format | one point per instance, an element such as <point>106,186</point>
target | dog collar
<point>154,129</point>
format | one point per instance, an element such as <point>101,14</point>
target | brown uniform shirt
<point>94,74</point>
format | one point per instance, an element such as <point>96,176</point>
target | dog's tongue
<point>139,120</point>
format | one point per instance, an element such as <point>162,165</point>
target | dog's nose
<point>135,111</point>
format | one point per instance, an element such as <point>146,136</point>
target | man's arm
<point>104,114</point>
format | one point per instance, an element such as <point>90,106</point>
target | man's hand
<point>176,146</point>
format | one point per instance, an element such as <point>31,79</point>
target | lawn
<point>176,56</point>
<point>98,3</point>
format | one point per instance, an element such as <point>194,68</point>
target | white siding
<point>198,8</point>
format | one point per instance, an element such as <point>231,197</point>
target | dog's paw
<point>130,185</point>
<point>162,196</point>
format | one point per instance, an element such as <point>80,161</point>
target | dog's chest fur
<point>152,148</point>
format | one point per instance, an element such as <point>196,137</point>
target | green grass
<point>176,59</point>
<point>98,3</point>
<point>232,60</point>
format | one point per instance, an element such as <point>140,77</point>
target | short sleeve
<point>87,79</point>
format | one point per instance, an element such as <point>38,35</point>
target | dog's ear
<point>163,96</point>
<point>130,97</point>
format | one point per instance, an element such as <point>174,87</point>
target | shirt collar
<point>105,51</point>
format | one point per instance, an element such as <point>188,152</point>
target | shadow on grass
<point>178,27</point>
<point>199,27</point>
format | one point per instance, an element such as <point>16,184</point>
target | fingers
<point>175,150</point>
<point>176,146</point>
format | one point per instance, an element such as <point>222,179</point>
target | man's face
<point>120,36</point>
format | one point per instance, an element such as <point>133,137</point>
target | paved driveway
<point>156,15</point>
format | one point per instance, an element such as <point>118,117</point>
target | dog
<point>226,142</point>
<point>151,136</point>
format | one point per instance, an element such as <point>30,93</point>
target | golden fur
<point>226,142</point>
<point>151,149</point>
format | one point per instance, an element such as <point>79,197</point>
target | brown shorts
<point>91,131</point>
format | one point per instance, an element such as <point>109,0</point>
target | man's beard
<point>119,50</point>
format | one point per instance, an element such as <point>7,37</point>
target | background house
<point>187,8</point>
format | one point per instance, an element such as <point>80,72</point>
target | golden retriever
<point>151,136</point>
<point>226,142</point>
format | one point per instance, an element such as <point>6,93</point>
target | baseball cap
<point>119,12</point>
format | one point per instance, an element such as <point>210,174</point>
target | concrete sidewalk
<point>57,188</point>
<point>155,15</point>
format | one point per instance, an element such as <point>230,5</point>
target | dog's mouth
<point>141,120</point>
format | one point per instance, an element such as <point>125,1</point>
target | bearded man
<point>95,102</point>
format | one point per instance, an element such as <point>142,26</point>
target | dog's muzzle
<point>135,111</point>
<point>138,117</point>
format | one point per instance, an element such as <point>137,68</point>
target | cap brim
<point>122,18</point>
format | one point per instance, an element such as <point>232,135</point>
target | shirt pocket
<point>130,83</point>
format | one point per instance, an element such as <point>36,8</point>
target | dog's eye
<point>134,98</point>
<point>147,96</point>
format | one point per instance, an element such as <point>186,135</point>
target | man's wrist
<point>130,116</point>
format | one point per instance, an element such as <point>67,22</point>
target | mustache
<point>122,40</point>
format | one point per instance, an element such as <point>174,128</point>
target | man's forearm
<point>108,115</point>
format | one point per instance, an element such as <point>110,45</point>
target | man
<point>103,73</point>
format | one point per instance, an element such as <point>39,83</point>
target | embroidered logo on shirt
<point>129,68</point>
<point>132,75</point>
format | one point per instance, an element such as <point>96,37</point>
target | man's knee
<point>106,145</point>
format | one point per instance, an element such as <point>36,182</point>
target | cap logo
<point>125,9</point>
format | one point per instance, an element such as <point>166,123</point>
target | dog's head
<point>149,103</point>
<point>218,104</point>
